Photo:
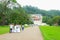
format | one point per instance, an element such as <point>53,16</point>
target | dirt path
<point>31,33</point>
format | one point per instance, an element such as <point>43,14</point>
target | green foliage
<point>56,20</point>
<point>44,19</point>
<point>50,32</point>
<point>17,15</point>
<point>20,16</point>
<point>2,13</point>
<point>49,21</point>
<point>13,1</point>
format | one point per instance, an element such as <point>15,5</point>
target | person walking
<point>11,27</point>
<point>22,27</point>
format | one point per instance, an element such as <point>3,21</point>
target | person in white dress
<point>17,28</point>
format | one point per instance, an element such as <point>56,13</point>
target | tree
<point>3,10</point>
<point>50,21</point>
<point>19,16</point>
<point>56,20</point>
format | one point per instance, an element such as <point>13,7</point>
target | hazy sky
<point>41,4</point>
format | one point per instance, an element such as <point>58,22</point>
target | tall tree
<point>3,10</point>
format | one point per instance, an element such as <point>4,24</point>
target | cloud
<point>42,4</point>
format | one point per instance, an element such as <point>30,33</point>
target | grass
<point>4,29</point>
<point>50,32</point>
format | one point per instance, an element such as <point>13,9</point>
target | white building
<point>37,19</point>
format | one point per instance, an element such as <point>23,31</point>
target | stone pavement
<point>30,33</point>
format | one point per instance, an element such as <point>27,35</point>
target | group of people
<point>16,28</point>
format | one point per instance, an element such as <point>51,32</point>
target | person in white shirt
<point>11,27</point>
<point>22,27</point>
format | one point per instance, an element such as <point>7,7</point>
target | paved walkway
<point>31,33</point>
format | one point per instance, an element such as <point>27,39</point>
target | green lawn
<point>50,32</point>
<point>4,29</point>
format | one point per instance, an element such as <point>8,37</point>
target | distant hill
<point>35,10</point>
